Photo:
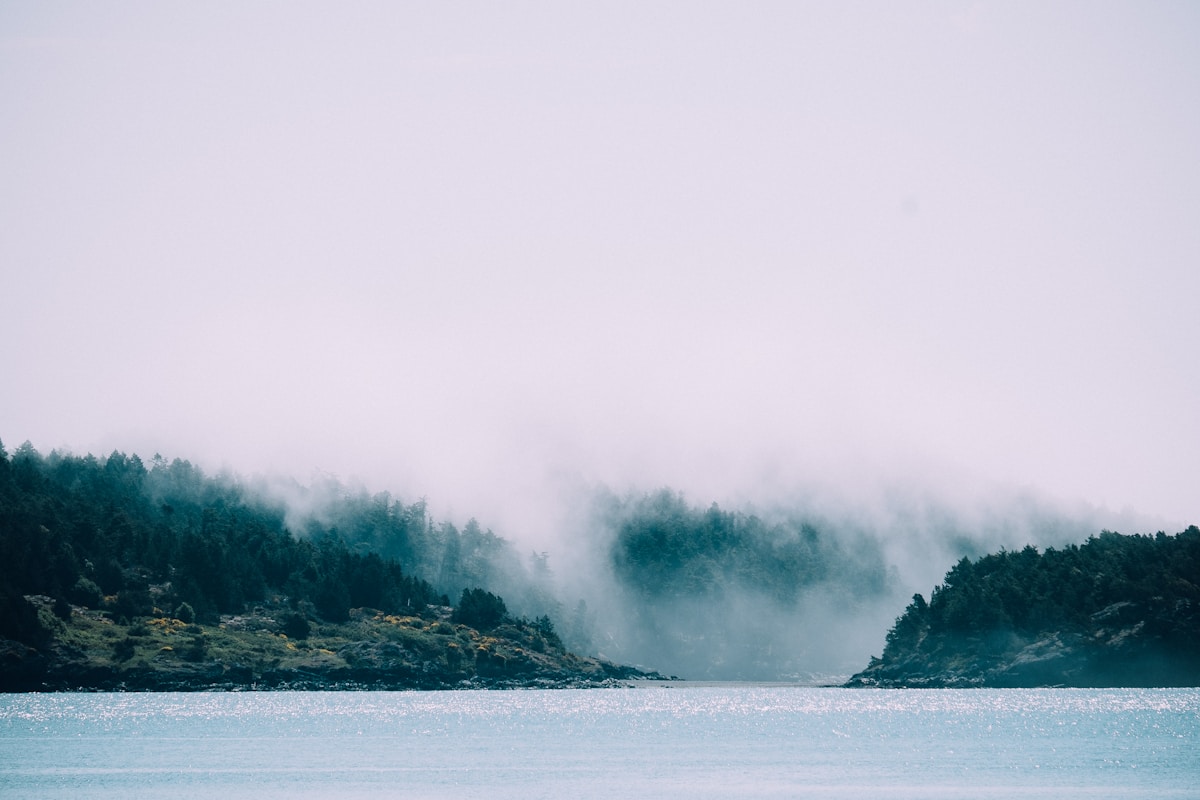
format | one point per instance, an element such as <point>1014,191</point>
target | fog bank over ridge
<point>528,488</point>
<point>920,278</point>
<point>881,542</point>
<point>798,585</point>
<point>873,552</point>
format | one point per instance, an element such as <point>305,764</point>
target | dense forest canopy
<point>703,590</point>
<point>115,533</point>
<point>665,548</point>
<point>450,558</point>
<point>121,576</point>
<point>1119,610</point>
<point>689,589</point>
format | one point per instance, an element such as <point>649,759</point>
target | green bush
<point>185,613</point>
<point>86,593</point>
<point>480,609</point>
<point>295,626</point>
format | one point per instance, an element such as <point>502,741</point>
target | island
<point>1118,610</point>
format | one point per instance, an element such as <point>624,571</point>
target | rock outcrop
<point>90,652</point>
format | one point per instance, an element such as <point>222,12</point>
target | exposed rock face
<point>372,651</point>
<point>1123,644</point>
<point>31,670</point>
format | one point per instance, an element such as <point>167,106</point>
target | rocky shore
<point>372,651</point>
<point>1124,644</point>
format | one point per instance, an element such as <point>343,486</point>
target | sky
<point>479,252</point>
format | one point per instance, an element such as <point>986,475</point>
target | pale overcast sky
<point>467,250</point>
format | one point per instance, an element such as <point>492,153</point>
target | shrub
<point>545,627</point>
<point>123,649</point>
<point>62,609</point>
<point>86,593</point>
<point>185,613</point>
<point>295,626</point>
<point>480,609</point>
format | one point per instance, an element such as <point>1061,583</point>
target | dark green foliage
<point>86,593</point>
<point>480,609</point>
<point>453,559</point>
<point>295,626</point>
<point>185,613</point>
<point>196,648</point>
<point>123,649</point>
<point>1132,598</point>
<point>1030,592</point>
<point>545,627</point>
<point>911,626</point>
<point>665,549</point>
<point>19,619</point>
<point>133,602</point>
<point>111,534</point>
<point>62,608</point>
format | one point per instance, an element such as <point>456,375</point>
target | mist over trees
<point>709,593</point>
<point>793,591</point>
<point>135,540</point>
<point>111,533</point>
<point>450,558</point>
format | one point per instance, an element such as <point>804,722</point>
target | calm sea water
<point>646,742</point>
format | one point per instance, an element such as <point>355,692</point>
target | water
<point>647,742</point>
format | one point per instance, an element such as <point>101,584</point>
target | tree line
<point>1149,584</point>
<point>709,592</point>
<point>113,533</point>
<point>665,548</point>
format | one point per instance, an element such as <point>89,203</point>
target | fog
<point>874,554</point>
<point>800,588</point>
<point>887,261</point>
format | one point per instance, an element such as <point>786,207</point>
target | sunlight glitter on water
<point>670,740</point>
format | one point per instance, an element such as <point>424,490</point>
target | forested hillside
<point>654,580</point>
<point>116,574</point>
<point>1115,611</point>
<point>112,533</point>
<point>719,594</point>
<point>701,590</point>
<point>450,558</point>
